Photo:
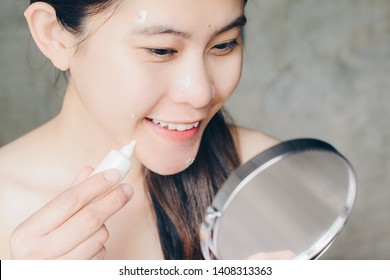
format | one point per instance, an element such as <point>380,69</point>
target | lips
<point>174,126</point>
<point>172,131</point>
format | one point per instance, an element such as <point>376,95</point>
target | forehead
<point>185,14</point>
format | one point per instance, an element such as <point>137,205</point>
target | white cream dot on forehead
<point>185,81</point>
<point>142,17</point>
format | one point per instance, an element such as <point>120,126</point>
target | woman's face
<point>157,72</point>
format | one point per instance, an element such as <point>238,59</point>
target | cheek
<point>116,91</point>
<point>227,76</point>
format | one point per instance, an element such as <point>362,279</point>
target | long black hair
<point>180,200</point>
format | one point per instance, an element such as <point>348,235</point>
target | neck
<point>87,142</point>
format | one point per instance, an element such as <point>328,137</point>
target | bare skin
<point>51,208</point>
<point>119,225</point>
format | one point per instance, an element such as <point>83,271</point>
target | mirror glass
<point>288,202</point>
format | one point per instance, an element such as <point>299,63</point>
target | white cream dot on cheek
<point>142,17</point>
<point>133,115</point>
<point>185,82</point>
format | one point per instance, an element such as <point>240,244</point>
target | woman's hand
<point>71,226</point>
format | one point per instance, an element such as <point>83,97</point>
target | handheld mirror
<point>290,201</point>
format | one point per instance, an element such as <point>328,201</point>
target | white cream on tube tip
<point>119,160</point>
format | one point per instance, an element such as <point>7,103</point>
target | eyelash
<point>227,47</point>
<point>222,49</point>
<point>161,53</point>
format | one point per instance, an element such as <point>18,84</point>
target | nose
<point>194,86</point>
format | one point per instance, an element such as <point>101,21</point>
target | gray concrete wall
<point>313,68</point>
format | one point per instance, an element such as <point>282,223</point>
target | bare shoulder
<point>35,159</point>
<point>17,157</point>
<point>251,142</point>
<point>22,185</point>
<point>10,204</point>
<point>12,158</point>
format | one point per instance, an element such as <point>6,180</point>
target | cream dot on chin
<point>189,162</point>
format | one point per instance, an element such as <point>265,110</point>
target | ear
<point>54,41</point>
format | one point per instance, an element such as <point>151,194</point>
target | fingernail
<point>112,175</point>
<point>127,190</point>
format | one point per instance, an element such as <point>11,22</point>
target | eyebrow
<point>160,29</point>
<point>238,22</point>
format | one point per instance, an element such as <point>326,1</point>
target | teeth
<point>182,127</point>
<point>174,126</point>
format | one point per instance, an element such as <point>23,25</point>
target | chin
<point>166,162</point>
<point>167,171</point>
<point>169,166</point>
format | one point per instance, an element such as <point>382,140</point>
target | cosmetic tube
<point>119,160</point>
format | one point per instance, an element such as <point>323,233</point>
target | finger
<point>88,220</point>
<point>24,248</point>
<point>65,205</point>
<point>90,247</point>
<point>82,175</point>
<point>100,255</point>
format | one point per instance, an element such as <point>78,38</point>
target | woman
<point>158,72</point>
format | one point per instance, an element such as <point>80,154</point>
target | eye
<point>225,48</point>
<point>161,53</point>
